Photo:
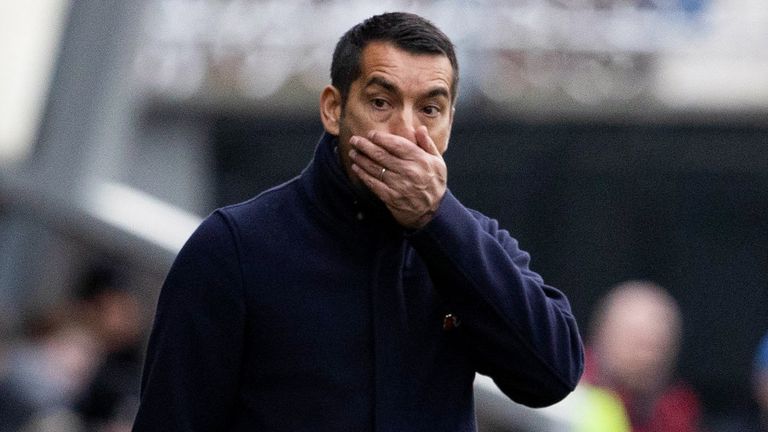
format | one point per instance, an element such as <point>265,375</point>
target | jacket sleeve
<point>190,378</point>
<point>519,331</point>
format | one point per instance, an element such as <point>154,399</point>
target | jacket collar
<point>329,189</point>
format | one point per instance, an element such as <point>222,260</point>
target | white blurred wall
<point>30,32</point>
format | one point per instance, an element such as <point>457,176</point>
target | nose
<point>405,123</point>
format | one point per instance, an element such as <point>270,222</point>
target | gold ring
<point>381,174</point>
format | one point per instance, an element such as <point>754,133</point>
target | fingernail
<point>352,153</point>
<point>353,140</point>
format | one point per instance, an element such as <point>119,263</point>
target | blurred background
<point>615,139</point>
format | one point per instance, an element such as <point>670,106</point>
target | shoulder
<point>679,405</point>
<point>224,226</point>
<point>681,394</point>
<point>264,205</point>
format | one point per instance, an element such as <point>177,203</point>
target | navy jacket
<point>307,309</point>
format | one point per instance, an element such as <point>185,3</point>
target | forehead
<point>404,69</point>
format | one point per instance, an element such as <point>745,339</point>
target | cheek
<point>373,116</point>
<point>355,122</point>
<point>440,137</point>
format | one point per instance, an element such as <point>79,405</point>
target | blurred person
<point>49,367</point>
<point>760,384</point>
<point>362,295</point>
<point>632,351</point>
<point>591,408</point>
<point>111,311</point>
<point>14,409</point>
<point>597,409</point>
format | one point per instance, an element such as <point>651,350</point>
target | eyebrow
<point>439,91</point>
<point>392,88</point>
<point>381,82</point>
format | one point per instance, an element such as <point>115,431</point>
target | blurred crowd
<point>75,366</point>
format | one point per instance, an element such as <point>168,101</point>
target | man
<point>635,340</point>
<point>362,295</point>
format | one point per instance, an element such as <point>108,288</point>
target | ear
<point>330,109</point>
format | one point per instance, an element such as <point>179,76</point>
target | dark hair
<point>406,31</point>
<point>98,279</point>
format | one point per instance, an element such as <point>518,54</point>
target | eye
<point>379,103</point>
<point>431,110</point>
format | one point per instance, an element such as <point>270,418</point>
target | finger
<point>395,145</point>
<point>425,141</point>
<point>378,187</point>
<point>376,153</point>
<point>367,164</point>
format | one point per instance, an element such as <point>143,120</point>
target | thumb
<point>425,141</point>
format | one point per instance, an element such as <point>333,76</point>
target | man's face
<point>397,92</point>
<point>637,342</point>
